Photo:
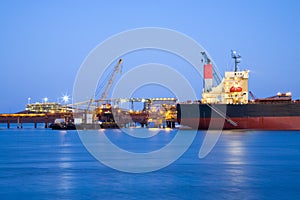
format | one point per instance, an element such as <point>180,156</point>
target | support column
<point>18,122</point>
<point>173,124</point>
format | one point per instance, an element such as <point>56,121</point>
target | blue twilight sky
<point>43,43</point>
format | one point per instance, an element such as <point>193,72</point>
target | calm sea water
<point>47,164</point>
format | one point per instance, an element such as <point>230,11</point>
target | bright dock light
<point>66,98</point>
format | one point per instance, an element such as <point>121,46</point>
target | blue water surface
<point>47,164</point>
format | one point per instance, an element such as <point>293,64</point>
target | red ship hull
<point>254,123</point>
<point>272,116</point>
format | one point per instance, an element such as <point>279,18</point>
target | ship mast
<point>237,59</point>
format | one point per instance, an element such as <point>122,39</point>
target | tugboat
<point>62,124</point>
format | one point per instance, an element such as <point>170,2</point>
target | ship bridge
<point>233,89</point>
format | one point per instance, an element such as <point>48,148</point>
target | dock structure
<point>32,118</point>
<point>108,113</point>
<point>34,113</point>
<point>111,113</point>
<point>161,112</point>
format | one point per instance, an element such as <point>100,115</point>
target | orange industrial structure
<point>34,118</point>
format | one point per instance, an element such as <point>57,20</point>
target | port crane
<point>111,80</point>
<point>86,105</point>
<point>252,96</point>
<point>217,78</point>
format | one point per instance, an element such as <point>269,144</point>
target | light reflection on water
<point>65,180</point>
<point>236,152</point>
<point>45,164</point>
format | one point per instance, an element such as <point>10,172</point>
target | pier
<point>112,113</point>
<point>32,118</point>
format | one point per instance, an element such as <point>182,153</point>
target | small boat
<point>62,126</point>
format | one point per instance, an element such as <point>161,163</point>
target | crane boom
<point>252,95</point>
<point>111,80</point>
<point>217,78</point>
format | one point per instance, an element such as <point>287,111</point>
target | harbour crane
<point>111,80</point>
<point>217,78</point>
<point>252,96</point>
<point>205,57</point>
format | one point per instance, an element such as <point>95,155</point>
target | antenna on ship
<point>237,59</point>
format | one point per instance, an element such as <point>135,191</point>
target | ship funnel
<point>208,73</point>
<point>208,77</point>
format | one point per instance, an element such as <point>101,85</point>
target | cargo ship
<point>227,106</point>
